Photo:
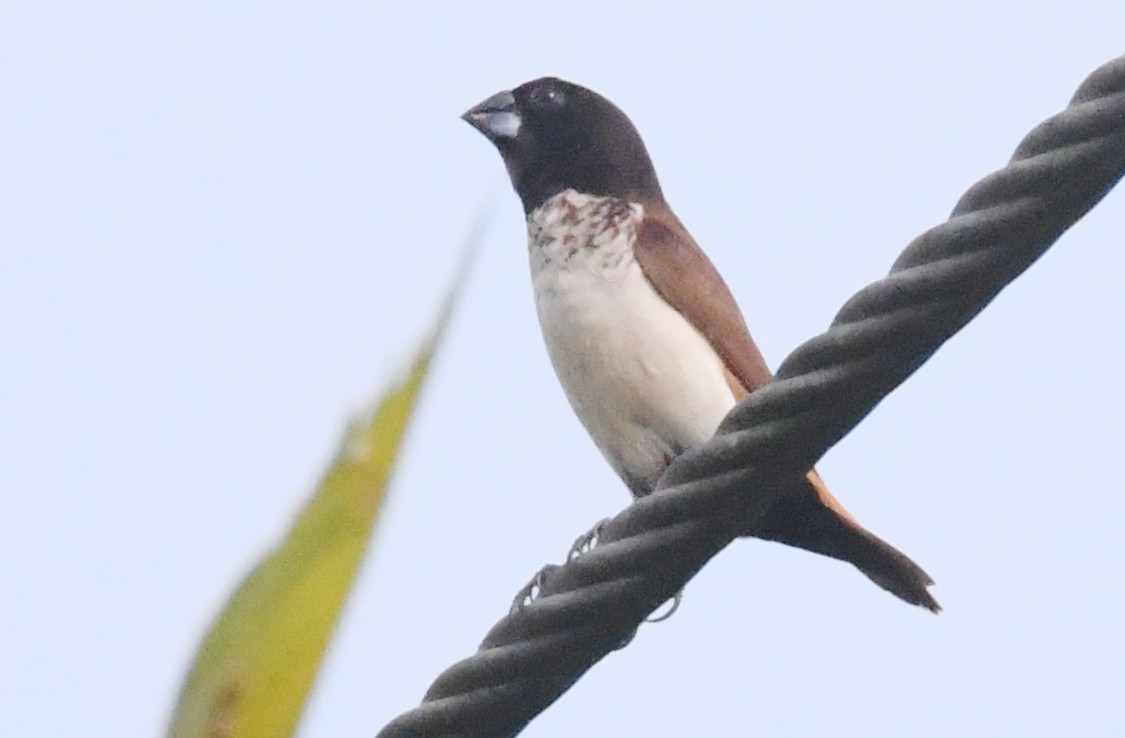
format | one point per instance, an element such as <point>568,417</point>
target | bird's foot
<point>531,590</point>
<point>587,541</point>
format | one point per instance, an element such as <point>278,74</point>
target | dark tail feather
<point>890,568</point>
<point>813,520</point>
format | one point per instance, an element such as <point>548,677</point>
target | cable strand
<point>593,604</point>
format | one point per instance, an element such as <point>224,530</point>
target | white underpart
<point>643,381</point>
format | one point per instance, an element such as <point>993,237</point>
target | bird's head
<point>555,135</point>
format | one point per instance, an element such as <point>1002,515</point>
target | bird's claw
<point>587,541</point>
<point>531,590</point>
<point>676,600</point>
<point>582,545</point>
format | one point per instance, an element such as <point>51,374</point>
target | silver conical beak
<point>495,117</point>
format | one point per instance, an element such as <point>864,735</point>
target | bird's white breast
<point>644,382</point>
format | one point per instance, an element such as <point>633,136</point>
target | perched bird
<point>645,336</point>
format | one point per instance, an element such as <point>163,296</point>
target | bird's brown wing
<point>811,518</point>
<point>684,276</point>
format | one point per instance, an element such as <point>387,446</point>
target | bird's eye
<point>547,97</point>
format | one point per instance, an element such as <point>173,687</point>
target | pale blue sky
<point>222,228</point>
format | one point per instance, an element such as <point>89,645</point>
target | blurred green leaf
<point>258,661</point>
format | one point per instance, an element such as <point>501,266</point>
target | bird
<point>648,342</point>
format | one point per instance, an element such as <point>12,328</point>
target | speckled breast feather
<point>643,381</point>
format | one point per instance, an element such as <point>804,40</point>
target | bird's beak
<point>495,117</point>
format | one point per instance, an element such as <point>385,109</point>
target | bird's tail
<point>890,568</point>
<point>814,520</point>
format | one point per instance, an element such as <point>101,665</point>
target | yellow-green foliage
<point>258,661</point>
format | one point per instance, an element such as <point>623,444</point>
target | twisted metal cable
<point>594,603</point>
